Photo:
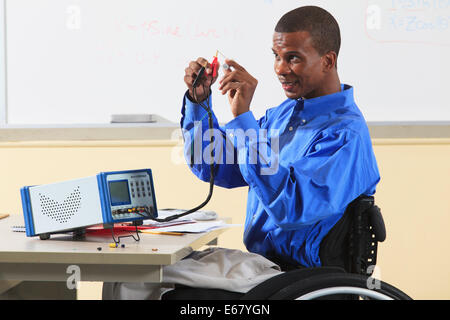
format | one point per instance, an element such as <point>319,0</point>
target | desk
<point>32,259</point>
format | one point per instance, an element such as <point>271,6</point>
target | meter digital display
<point>119,192</point>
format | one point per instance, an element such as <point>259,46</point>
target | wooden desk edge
<point>53,266</point>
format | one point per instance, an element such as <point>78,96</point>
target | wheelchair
<point>348,254</point>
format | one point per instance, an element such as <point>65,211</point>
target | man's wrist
<point>244,121</point>
<point>238,113</point>
<point>191,98</point>
<point>193,109</point>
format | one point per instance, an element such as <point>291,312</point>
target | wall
<point>413,195</point>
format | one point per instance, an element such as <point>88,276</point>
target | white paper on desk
<point>175,222</point>
<point>198,227</point>
<point>162,214</point>
<point>199,215</point>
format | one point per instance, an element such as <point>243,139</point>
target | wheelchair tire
<point>339,284</point>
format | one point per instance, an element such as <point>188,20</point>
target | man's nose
<point>281,67</point>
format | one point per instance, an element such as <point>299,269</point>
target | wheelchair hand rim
<point>344,290</point>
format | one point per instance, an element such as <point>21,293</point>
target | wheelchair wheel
<point>330,286</point>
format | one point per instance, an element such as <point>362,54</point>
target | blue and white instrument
<point>107,198</point>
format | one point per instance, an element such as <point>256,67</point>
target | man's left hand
<point>240,86</point>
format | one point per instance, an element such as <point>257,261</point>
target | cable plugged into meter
<point>206,107</point>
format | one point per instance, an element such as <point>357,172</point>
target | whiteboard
<point>79,61</point>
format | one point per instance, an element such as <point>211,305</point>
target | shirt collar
<point>326,104</point>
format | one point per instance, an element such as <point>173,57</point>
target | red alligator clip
<point>214,66</point>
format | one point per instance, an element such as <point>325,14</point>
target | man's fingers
<point>232,76</point>
<point>189,76</point>
<point>230,86</point>
<point>234,64</point>
<point>227,77</point>
<point>191,73</point>
<point>194,66</point>
<point>189,79</point>
<point>202,62</point>
<point>188,71</point>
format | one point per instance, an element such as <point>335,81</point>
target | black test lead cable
<point>210,125</point>
<point>211,179</point>
<point>146,210</point>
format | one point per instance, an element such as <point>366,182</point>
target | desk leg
<point>39,290</point>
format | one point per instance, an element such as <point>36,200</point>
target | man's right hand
<point>204,83</point>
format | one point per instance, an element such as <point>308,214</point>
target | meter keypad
<point>140,189</point>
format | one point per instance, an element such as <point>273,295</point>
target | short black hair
<point>320,24</point>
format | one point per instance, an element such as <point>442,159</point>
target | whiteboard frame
<point>161,131</point>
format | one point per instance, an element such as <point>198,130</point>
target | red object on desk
<point>99,230</point>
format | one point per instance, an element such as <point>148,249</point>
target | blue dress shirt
<point>303,162</point>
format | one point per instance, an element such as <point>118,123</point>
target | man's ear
<point>329,61</point>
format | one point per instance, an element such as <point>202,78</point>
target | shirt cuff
<point>245,122</point>
<point>192,111</point>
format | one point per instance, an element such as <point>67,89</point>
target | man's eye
<point>294,58</point>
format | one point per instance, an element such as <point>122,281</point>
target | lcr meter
<point>106,198</point>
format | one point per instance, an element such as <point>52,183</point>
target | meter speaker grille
<point>61,212</point>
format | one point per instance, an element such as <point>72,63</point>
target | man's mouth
<point>289,85</point>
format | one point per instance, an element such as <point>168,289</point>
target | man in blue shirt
<point>305,160</point>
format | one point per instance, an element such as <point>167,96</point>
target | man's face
<point>298,65</point>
